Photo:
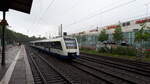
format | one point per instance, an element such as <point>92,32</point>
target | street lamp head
<point>3,22</point>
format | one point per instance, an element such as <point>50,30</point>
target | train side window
<point>59,45</point>
<point>49,44</point>
<point>41,44</point>
<point>56,45</point>
<point>52,44</point>
<point>45,44</point>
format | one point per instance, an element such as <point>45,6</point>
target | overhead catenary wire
<point>126,19</point>
<point>35,17</point>
<point>92,11</point>
<point>89,17</point>
<point>72,7</point>
<point>66,11</point>
<point>42,14</point>
<point>50,4</point>
<point>77,2</point>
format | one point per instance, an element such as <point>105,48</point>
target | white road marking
<point>10,70</point>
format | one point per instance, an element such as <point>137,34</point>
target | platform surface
<point>18,71</point>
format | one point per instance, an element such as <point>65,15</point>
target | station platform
<point>17,69</point>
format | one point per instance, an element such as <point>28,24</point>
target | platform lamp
<point>5,5</point>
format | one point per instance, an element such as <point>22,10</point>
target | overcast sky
<point>75,15</point>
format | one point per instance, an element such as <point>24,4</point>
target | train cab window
<point>70,43</point>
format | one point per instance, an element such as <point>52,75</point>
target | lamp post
<point>5,5</point>
<point>3,39</point>
<point>3,23</point>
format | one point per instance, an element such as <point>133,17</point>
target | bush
<point>119,50</point>
<point>103,50</point>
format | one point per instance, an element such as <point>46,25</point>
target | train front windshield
<point>70,43</point>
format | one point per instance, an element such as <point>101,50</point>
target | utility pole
<point>49,36</point>
<point>97,28</point>
<point>61,30</point>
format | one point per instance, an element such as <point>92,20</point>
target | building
<point>129,28</point>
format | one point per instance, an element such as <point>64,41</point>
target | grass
<point>88,51</point>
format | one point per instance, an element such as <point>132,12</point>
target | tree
<point>83,38</point>
<point>12,36</point>
<point>118,34</point>
<point>142,35</point>
<point>103,36</point>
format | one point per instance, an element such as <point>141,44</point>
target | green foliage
<point>103,36</point>
<point>83,38</point>
<point>11,36</point>
<point>104,50</point>
<point>118,34</point>
<point>142,35</point>
<point>124,51</point>
<point>147,53</point>
<point>120,50</point>
<point>131,55</point>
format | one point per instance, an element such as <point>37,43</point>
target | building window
<point>128,23</point>
<point>123,24</point>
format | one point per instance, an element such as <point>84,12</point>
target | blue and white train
<point>62,47</point>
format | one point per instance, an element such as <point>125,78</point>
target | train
<point>62,47</point>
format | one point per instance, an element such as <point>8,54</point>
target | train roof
<point>45,40</point>
<point>53,39</point>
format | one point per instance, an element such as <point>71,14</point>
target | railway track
<point>116,70</point>
<point>36,74</point>
<point>45,73</point>
<point>119,75</point>
<point>143,65</point>
<point>138,70</point>
<point>78,76</point>
<point>107,71</point>
<point>101,73</point>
